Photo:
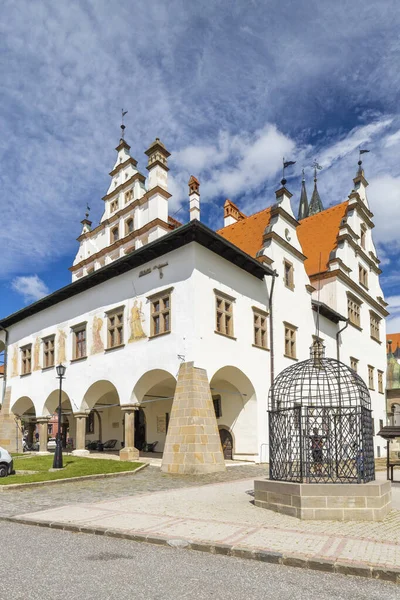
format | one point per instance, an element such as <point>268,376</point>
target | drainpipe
<point>3,394</point>
<point>271,335</point>
<point>337,339</point>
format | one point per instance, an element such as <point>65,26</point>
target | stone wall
<point>325,501</point>
<point>8,428</point>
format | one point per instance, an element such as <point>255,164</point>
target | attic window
<point>114,206</point>
<point>362,236</point>
<point>128,226</point>
<point>115,234</point>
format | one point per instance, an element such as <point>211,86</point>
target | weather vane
<point>317,167</point>
<point>286,164</point>
<point>123,113</point>
<point>359,156</point>
<point>87,211</point>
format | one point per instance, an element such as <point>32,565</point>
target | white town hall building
<point>152,301</point>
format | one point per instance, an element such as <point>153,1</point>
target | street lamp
<point>58,460</point>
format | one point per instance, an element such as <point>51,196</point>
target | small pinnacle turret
<point>316,205</point>
<point>303,206</point>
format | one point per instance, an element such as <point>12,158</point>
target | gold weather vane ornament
<point>123,113</point>
<point>285,165</point>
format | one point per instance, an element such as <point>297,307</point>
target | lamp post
<point>58,460</point>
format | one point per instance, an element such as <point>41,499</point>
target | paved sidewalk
<point>222,514</point>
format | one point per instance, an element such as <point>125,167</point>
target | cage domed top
<point>319,382</point>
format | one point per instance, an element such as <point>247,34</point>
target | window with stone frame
<point>290,340</point>
<point>380,382</point>
<point>371,377</point>
<point>354,310</point>
<point>363,233</point>
<point>374,322</point>
<point>79,349</point>
<point>115,328</point>
<point>160,313</point>
<point>128,226</point>
<point>260,328</point>
<point>223,313</point>
<point>288,274</point>
<point>114,234</point>
<point>363,276</point>
<point>354,363</point>
<point>114,205</point>
<point>217,406</point>
<point>128,196</point>
<point>48,351</point>
<point>26,359</point>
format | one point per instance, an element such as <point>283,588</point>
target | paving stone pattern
<point>149,480</point>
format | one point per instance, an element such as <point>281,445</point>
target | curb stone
<point>16,486</point>
<point>316,564</point>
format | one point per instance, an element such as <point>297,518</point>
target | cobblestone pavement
<point>223,513</point>
<point>13,502</point>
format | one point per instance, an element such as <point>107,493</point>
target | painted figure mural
<point>62,336</point>
<point>137,332</point>
<point>97,343</point>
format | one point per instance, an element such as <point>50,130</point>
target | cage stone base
<point>325,501</point>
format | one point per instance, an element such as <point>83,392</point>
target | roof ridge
<point>325,210</point>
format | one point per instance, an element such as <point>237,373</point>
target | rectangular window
<point>224,314</point>
<point>128,226</point>
<point>374,322</point>
<point>48,352</point>
<point>371,377</point>
<point>160,307</point>
<point>290,340</point>
<point>115,329</point>
<point>26,358</point>
<point>363,276</point>
<point>353,309</point>
<point>380,382</point>
<point>128,196</point>
<point>260,328</point>
<point>354,363</point>
<point>288,274</point>
<point>362,236</point>
<point>79,342</point>
<point>217,406</point>
<point>113,206</point>
<point>114,235</point>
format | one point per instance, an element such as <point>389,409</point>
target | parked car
<point>51,444</point>
<point>6,463</point>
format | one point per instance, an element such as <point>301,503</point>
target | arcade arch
<point>235,404</point>
<point>104,422</point>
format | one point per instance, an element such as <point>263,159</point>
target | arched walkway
<point>25,425</point>
<point>235,406</point>
<point>105,423</point>
<point>154,391</point>
<point>50,410</point>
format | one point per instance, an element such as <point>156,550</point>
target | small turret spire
<point>303,206</point>
<point>316,205</point>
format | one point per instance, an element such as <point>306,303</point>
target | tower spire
<point>316,205</point>
<point>360,183</point>
<point>303,206</point>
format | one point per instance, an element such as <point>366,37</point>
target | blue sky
<point>229,87</point>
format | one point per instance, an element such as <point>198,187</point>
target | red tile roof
<point>317,234</point>
<point>395,337</point>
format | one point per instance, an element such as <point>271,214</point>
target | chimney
<point>231,213</point>
<point>194,198</point>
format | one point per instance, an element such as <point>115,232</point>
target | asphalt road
<point>40,563</point>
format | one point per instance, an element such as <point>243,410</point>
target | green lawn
<point>74,466</point>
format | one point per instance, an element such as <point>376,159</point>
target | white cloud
<point>31,287</point>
